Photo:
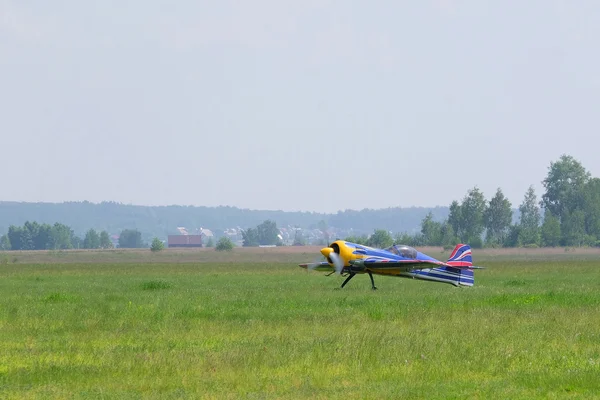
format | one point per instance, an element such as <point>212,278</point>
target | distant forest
<point>160,221</point>
<point>568,214</point>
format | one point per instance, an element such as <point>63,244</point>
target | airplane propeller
<point>317,262</point>
<point>334,258</point>
<point>313,265</point>
<point>338,263</point>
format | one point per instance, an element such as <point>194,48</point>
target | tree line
<point>35,236</point>
<point>160,221</point>
<point>568,214</point>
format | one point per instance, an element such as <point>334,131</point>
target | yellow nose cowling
<point>346,254</point>
<point>326,251</point>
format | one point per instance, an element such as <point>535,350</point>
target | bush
<point>589,240</point>
<point>476,243</point>
<point>131,238</point>
<point>224,244</point>
<point>156,285</point>
<point>157,245</point>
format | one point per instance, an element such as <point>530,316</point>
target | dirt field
<point>291,254</point>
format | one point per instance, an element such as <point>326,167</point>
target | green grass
<point>528,329</point>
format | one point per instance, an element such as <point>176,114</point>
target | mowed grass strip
<point>284,254</point>
<point>273,330</point>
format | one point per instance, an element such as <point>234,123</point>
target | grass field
<point>253,325</point>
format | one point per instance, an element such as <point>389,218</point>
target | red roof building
<point>185,241</point>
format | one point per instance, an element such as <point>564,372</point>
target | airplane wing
<point>319,266</point>
<point>400,265</point>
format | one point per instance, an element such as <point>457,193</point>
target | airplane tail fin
<point>458,270</point>
<point>461,257</point>
<point>461,264</point>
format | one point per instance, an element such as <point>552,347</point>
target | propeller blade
<point>316,262</point>
<point>338,263</point>
<point>311,266</point>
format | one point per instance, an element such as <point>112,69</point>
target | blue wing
<point>400,265</point>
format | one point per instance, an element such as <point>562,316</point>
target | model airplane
<point>398,260</point>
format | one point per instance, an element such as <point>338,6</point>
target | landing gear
<point>372,282</point>
<point>348,279</point>
<point>352,274</point>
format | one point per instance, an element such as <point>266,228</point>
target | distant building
<point>206,234</point>
<point>185,240</point>
<point>114,239</point>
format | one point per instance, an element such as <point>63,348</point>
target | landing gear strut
<point>372,282</point>
<point>348,279</point>
<point>352,274</point>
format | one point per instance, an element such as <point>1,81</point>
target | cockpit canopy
<point>403,250</point>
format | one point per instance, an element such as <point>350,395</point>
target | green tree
<point>19,238</point>
<point>513,237</point>
<point>4,242</point>
<point>76,242</point>
<point>381,239</point>
<point>566,177</point>
<point>573,228</point>
<point>497,218</point>
<point>362,239</point>
<point>33,230</point>
<point>224,244</point>
<point>131,238</point>
<point>408,239</point>
<point>530,219</point>
<point>591,207</point>
<point>40,235</point>
<point>250,237</point>
<point>455,219</point>
<point>550,231</point>
<point>268,234</point>
<point>157,245</point>
<point>449,238</point>
<point>44,238</point>
<point>60,237</point>
<point>91,240</point>
<point>34,236</point>
<point>105,242</point>
<point>472,210</point>
<point>210,242</point>
<point>431,231</point>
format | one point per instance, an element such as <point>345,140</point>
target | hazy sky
<point>297,105</point>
